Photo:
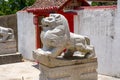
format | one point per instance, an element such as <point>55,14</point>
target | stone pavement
<point>28,71</point>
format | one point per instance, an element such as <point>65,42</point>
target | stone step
<point>8,47</point>
<point>10,58</point>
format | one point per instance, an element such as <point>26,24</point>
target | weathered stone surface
<point>73,72</point>
<point>74,68</point>
<point>60,61</point>
<point>60,68</point>
<point>10,58</point>
<point>8,47</point>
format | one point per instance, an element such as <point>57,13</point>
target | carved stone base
<point>60,61</point>
<point>74,68</point>
<point>73,72</point>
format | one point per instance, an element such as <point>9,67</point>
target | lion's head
<point>53,21</point>
<point>48,21</point>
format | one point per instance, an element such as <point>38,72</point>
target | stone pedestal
<point>66,69</point>
<point>73,72</point>
<point>8,47</point>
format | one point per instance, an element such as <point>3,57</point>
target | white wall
<point>116,45</point>
<point>26,34</point>
<point>98,25</point>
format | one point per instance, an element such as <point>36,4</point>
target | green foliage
<point>1,13</point>
<point>103,3</point>
<point>12,6</point>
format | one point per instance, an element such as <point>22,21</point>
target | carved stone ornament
<point>56,37</point>
<point>6,34</point>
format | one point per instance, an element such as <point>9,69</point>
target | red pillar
<point>38,31</point>
<point>70,17</point>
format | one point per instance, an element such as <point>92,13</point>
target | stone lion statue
<point>6,34</point>
<point>56,37</point>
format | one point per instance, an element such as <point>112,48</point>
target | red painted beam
<point>96,7</point>
<point>43,11</point>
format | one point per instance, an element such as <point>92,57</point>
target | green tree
<point>12,6</point>
<point>104,3</point>
<point>3,6</point>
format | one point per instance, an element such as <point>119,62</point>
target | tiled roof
<point>45,6</point>
<point>48,3</point>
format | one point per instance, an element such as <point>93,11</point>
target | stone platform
<point>8,52</point>
<point>59,68</point>
<point>10,58</point>
<point>8,47</point>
